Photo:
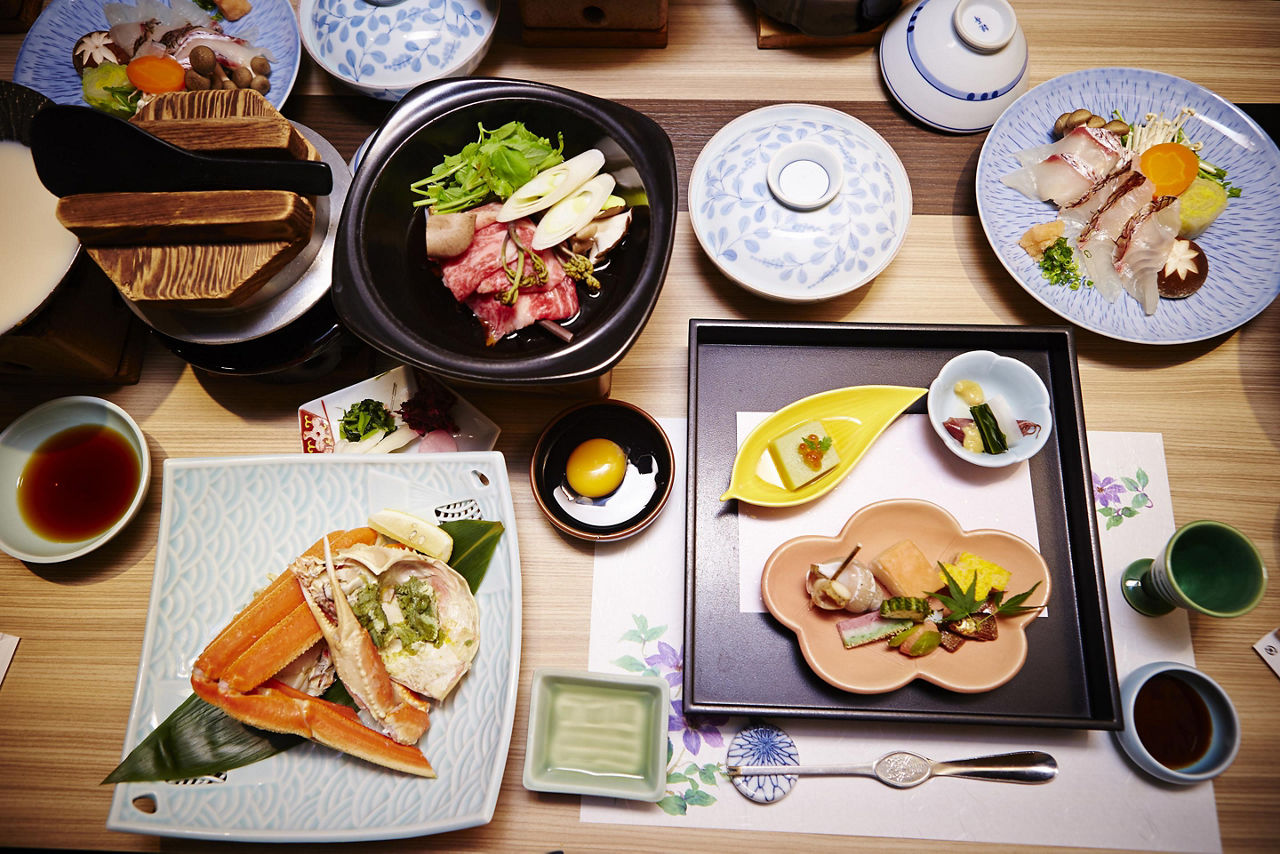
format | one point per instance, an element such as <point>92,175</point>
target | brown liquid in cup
<point>1172,721</point>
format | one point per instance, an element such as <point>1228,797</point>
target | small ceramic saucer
<point>799,203</point>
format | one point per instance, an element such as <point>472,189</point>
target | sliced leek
<point>551,185</point>
<point>571,213</point>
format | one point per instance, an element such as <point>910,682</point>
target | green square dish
<point>597,734</point>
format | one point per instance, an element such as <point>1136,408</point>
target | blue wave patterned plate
<point>791,255</point>
<point>1244,267</point>
<point>226,525</point>
<point>44,60</point>
<point>385,49</point>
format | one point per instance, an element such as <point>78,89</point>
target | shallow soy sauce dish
<point>1190,722</point>
<point>390,295</point>
<point>1013,380</point>
<point>637,500</point>
<point>599,734</point>
<point>19,443</point>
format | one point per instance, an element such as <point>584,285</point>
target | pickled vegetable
<point>1201,203</point>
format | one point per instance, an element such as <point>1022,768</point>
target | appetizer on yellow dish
<point>803,455</point>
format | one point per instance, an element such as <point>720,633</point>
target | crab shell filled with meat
<point>403,632</point>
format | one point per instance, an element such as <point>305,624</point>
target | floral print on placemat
<point>1120,498</point>
<point>687,778</point>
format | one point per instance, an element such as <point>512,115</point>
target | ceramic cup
<point>1206,566</point>
<point>1179,725</point>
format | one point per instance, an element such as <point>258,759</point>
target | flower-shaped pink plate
<point>875,668</point>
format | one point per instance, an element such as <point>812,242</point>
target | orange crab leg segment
<point>276,707</point>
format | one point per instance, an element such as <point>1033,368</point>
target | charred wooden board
<point>222,120</point>
<point>162,219</point>
<point>196,274</point>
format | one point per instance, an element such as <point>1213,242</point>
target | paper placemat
<point>1098,798</point>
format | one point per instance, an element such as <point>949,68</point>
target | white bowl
<point>955,64</point>
<point>1224,741</point>
<point>385,49</point>
<point>799,203</point>
<point>20,440</point>
<point>1024,391</point>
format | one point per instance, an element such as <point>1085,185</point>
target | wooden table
<point>65,701</point>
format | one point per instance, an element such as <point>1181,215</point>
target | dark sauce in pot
<point>78,483</point>
<point>1172,721</point>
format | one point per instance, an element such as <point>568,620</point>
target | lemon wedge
<point>415,532</point>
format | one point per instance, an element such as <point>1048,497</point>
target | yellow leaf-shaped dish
<point>854,417</point>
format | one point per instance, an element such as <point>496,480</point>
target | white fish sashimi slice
<point>1143,247</point>
<point>1077,214</point>
<point>1101,149</point>
<point>1098,257</point>
<point>1126,200</point>
<point>1059,178</point>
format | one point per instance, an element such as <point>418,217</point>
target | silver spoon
<point>767,766</point>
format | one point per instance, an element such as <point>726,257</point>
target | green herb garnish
<point>1060,268</point>
<point>993,438</point>
<point>823,445</point>
<point>1218,175</point>
<point>365,418</point>
<point>497,164</point>
<point>962,602</point>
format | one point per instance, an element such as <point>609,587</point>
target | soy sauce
<point>1172,721</point>
<point>78,483</point>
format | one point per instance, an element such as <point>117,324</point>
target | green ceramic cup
<point>1208,567</point>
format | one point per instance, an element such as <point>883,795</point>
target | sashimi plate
<point>227,525</point>
<point>44,60</point>
<point>1244,268</point>
<point>874,668</point>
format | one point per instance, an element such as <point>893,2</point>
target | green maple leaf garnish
<point>962,603</point>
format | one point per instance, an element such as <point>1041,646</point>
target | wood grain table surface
<point>65,701</point>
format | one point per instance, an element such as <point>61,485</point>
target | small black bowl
<point>389,294</point>
<point>621,422</point>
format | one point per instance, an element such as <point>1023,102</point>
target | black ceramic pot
<point>389,294</point>
<point>830,17</point>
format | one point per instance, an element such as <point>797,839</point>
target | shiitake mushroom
<point>1184,271</point>
<point>1073,119</point>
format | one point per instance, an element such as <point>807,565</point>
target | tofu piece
<point>799,467</point>
<point>905,571</point>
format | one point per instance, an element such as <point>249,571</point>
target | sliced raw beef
<point>558,303</point>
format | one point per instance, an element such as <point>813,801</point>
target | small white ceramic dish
<point>1021,388</point>
<point>384,50</point>
<point>20,440</point>
<point>1223,731</point>
<point>318,419</point>
<point>597,734</point>
<point>799,203</point>
<point>955,64</point>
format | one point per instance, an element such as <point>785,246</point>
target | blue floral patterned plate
<point>44,60</point>
<point>763,744</point>
<point>774,246</point>
<point>384,49</point>
<point>1244,267</point>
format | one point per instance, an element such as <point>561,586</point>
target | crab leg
<point>360,665</point>
<point>276,707</point>
<point>234,673</point>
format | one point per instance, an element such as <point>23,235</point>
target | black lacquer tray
<point>748,663</point>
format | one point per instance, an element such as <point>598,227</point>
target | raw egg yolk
<point>596,468</point>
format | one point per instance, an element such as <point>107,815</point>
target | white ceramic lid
<point>798,203</point>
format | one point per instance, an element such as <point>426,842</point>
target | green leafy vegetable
<point>365,418</point>
<point>1218,175</point>
<point>993,439</point>
<point>195,740</point>
<point>474,542</point>
<point>1060,268</point>
<point>496,164</point>
<point>106,87</point>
